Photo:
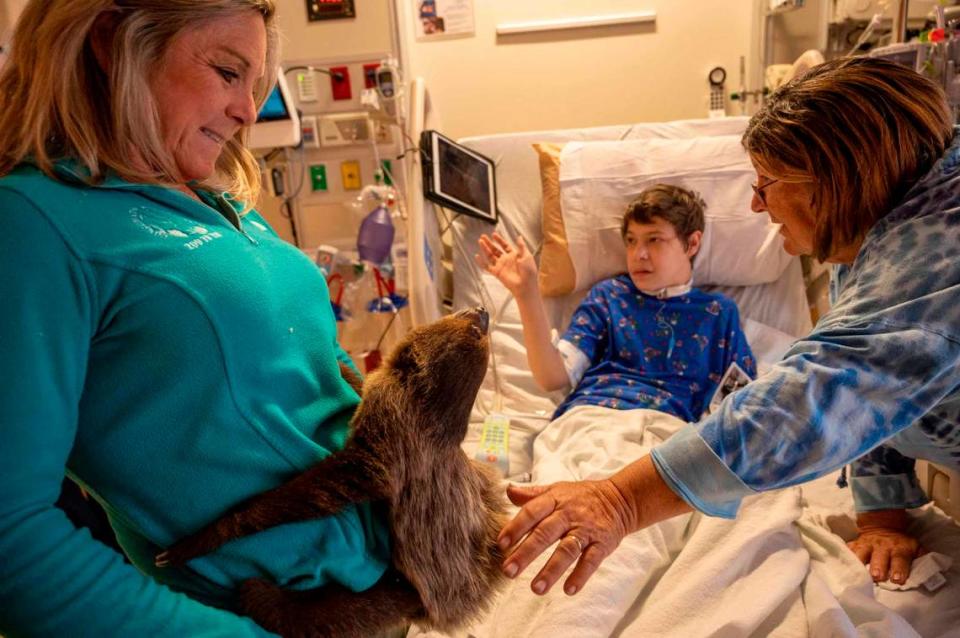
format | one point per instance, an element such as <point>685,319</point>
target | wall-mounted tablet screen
<point>457,177</point>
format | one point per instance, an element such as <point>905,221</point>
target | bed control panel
<point>494,442</point>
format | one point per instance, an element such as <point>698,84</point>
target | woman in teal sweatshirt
<point>160,344</point>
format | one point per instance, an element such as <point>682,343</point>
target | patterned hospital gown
<point>662,354</point>
<point>876,383</point>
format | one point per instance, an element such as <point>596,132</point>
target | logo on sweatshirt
<point>159,224</point>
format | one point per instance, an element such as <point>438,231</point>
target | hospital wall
<point>594,76</point>
<point>324,217</point>
<point>370,32</point>
<point>482,83</point>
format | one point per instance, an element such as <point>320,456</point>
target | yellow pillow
<point>557,276</point>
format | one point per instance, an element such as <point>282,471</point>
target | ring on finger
<point>578,541</point>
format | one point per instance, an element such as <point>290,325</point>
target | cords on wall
<point>496,313</point>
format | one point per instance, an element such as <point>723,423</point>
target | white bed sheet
<point>840,594</point>
<point>778,570</point>
<point>930,614</point>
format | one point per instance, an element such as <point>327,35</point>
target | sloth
<point>445,510</point>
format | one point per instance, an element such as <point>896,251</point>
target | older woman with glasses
<point>859,162</point>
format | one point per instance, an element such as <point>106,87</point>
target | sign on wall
<point>440,18</point>
<point>330,9</point>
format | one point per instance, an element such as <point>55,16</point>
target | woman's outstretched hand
<point>589,518</point>
<point>885,546</point>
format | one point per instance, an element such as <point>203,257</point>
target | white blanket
<point>770,572</point>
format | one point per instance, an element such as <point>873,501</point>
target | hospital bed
<point>782,568</point>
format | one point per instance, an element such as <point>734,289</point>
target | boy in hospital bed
<point>642,339</point>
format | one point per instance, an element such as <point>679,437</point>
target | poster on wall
<point>442,18</point>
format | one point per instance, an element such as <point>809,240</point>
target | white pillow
<point>599,179</point>
<point>767,343</point>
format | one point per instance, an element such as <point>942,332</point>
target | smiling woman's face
<point>789,203</point>
<point>204,89</point>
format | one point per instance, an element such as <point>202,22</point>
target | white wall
<point>370,32</point>
<point>485,84</point>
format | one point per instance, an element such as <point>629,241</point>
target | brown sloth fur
<point>445,510</point>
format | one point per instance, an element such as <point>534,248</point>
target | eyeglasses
<point>759,190</point>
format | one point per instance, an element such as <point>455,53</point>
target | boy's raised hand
<point>514,267</point>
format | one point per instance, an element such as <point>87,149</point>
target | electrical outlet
<point>340,83</point>
<point>307,86</point>
<point>350,174</point>
<point>370,75</point>
<point>318,177</point>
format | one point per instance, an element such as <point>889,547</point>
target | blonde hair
<point>863,129</point>
<point>56,102</point>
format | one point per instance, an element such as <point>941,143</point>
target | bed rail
<point>942,485</point>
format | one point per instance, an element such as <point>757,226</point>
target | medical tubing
<point>449,224</point>
<point>400,200</point>
<point>867,32</point>
<point>387,329</point>
<point>288,201</point>
<point>376,151</point>
<point>663,324</point>
<point>495,316</point>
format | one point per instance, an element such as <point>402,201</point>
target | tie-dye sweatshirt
<point>876,382</point>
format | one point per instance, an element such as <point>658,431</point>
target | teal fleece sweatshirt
<point>175,359</point>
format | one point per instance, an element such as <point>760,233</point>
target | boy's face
<point>656,257</point>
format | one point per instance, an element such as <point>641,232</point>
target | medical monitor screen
<point>278,122</point>
<point>274,108</point>
<point>458,178</point>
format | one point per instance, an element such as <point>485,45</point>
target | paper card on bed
<point>733,379</point>
<point>495,442</point>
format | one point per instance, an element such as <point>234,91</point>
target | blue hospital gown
<point>876,383</point>
<point>627,335</point>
